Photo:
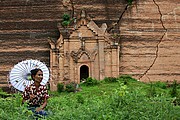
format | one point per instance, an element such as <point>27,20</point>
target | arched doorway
<point>84,72</point>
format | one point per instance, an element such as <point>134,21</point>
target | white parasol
<point>20,75</point>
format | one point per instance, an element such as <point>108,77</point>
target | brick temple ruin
<point>83,50</point>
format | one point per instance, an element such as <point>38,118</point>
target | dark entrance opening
<point>84,72</point>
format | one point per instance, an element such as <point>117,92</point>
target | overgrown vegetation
<point>122,98</point>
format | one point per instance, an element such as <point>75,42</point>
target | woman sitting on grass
<point>36,94</point>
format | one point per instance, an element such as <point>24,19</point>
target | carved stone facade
<point>83,50</point>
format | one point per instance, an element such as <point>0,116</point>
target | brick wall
<point>149,33</point>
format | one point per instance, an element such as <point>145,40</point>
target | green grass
<point>133,100</point>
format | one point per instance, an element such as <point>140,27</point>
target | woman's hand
<point>32,96</point>
<point>42,106</point>
<point>39,109</point>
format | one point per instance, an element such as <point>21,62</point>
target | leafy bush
<point>118,95</point>
<point>66,20</point>
<point>4,94</point>
<point>126,78</point>
<point>160,84</point>
<point>174,92</point>
<point>91,82</point>
<point>151,91</point>
<point>129,2</point>
<point>66,17</point>
<point>60,87</point>
<point>110,79</point>
<point>176,101</point>
<point>65,23</point>
<point>71,87</point>
<point>80,99</point>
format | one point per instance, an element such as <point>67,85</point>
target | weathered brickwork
<point>151,40</point>
<point>149,29</point>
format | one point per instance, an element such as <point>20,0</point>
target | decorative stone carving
<point>77,55</point>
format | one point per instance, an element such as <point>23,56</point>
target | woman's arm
<point>25,95</point>
<point>42,106</point>
<point>23,101</point>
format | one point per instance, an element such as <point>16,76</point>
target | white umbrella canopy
<point>20,75</point>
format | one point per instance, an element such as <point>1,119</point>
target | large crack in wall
<point>69,4</point>
<point>72,6</point>
<point>119,20</point>
<point>157,46</point>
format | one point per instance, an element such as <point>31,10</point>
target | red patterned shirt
<point>39,94</point>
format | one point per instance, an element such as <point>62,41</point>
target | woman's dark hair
<point>34,72</point>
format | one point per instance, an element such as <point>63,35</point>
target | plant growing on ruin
<point>66,20</point>
<point>130,2</point>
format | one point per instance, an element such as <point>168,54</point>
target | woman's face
<point>38,77</point>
